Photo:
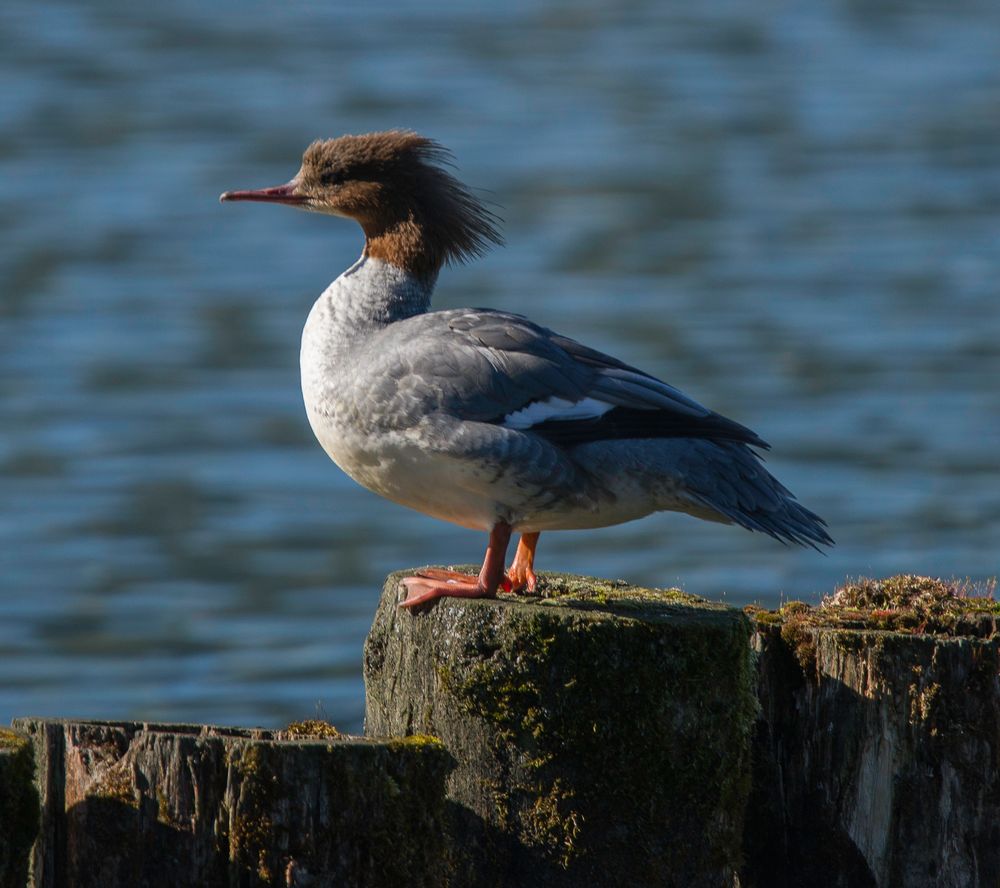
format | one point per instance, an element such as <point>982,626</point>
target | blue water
<point>792,213</point>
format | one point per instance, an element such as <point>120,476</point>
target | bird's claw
<point>519,581</point>
<point>421,589</point>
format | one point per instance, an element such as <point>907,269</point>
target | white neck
<point>370,295</point>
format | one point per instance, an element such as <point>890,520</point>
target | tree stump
<point>601,732</point>
<point>132,804</point>
<point>877,755</point>
<point>19,809</point>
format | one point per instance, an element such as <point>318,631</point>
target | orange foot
<point>427,585</point>
<point>521,574</point>
<point>433,583</point>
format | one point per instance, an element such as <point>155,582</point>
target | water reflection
<point>793,216</point>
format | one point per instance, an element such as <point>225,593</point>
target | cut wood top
<point>587,597</point>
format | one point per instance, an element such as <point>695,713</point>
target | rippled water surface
<point>793,214</point>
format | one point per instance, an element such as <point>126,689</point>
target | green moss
<point>553,822</point>
<point>909,603</point>
<point>11,740</point>
<point>117,784</point>
<point>163,813</point>
<point>925,596</point>
<point>19,806</point>
<point>251,843</point>
<point>570,590</point>
<point>561,589</point>
<point>905,603</point>
<point>671,729</point>
<point>923,701</point>
<point>309,729</point>
<point>416,742</point>
<point>800,637</point>
<point>763,617</point>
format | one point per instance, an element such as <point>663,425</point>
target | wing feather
<point>638,405</point>
<point>500,365</point>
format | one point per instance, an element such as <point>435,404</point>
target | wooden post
<point>129,804</point>
<point>18,808</point>
<point>877,756</point>
<point>601,733</point>
<point>596,735</point>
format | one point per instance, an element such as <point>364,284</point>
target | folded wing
<point>570,394</point>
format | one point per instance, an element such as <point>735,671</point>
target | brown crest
<point>414,212</point>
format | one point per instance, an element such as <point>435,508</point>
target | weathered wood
<point>877,755</point>
<point>601,733</point>
<point>598,735</point>
<point>19,810</point>
<point>132,804</point>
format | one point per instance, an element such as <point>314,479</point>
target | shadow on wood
<point>131,804</point>
<point>597,734</point>
<point>877,755</point>
<point>19,807</point>
<point>601,733</point>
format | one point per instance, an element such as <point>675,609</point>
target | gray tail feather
<point>737,486</point>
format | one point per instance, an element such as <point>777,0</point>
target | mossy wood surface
<point>128,805</point>
<point>19,808</point>
<point>601,732</point>
<point>877,755</point>
<point>596,734</point>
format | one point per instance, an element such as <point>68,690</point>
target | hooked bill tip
<point>278,194</point>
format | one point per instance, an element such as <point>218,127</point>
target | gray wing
<point>500,368</point>
<point>522,403</point>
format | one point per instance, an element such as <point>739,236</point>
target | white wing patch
<point>555,409</point>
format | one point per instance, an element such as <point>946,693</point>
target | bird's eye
<point>333,177</point>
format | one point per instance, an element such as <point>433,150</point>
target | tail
<point>730,479</point>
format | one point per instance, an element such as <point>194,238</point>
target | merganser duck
<point>482,417</point>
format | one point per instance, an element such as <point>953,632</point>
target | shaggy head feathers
<point>414,212</point>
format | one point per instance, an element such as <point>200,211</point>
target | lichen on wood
<point>173,805</point>
<point>600,730</point>
<point>592,733</point>
<point>19,810</point>
<point>905,603</point>
<point>308,729</point>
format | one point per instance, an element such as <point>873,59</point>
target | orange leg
<point>522,573</point>
<point>428,585</point>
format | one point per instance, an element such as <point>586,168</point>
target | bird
<point>481,417</point>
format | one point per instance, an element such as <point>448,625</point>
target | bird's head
<point>413,211</point>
